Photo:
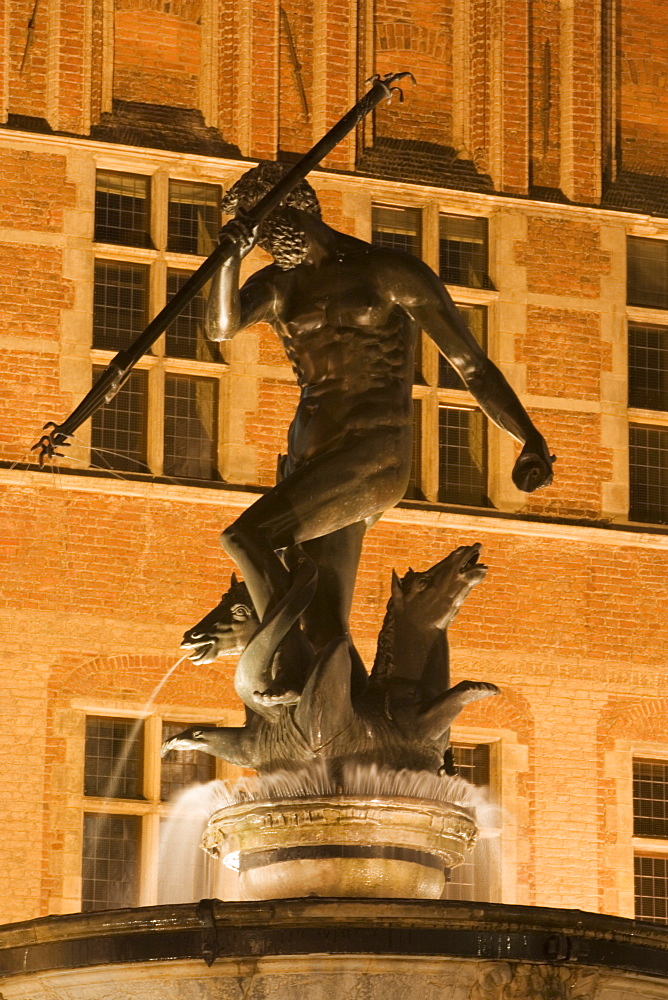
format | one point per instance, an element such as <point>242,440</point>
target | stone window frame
<point>648,847</point>
<point>508,760</point>
<point>428,396</point>
<point>637,416</point>
<point>150,809</point>
<point>158,260</point>
<point>623,847</point>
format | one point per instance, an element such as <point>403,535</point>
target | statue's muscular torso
<point>351,348</point>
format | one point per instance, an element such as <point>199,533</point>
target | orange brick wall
<point>643,106</point>
<point>157,53</point>
<point>418,39</point>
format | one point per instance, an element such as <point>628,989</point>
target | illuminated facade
<point>528,169</point>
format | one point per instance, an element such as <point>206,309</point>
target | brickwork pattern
<point>267,428</point>
<point>563,352</point>
<point>563,256</point>
<point>33,206</point>
<point>583,464</point>
<point>294,125</point>
<point>545,93</point>
<point>28,89</point>
<point>417,39</point>
<point>643,87</point>
<point>157,56</point>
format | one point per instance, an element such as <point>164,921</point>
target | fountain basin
<point>342,845</point>
<point>312,949</point>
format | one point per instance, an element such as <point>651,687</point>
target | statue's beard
<point>283,240</point>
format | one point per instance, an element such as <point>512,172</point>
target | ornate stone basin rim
<point>212,929</point>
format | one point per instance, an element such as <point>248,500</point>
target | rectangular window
<point>193,217</point>
<point>122,209</point>
<point>648,460</point>
<point>462,457</point>
<point>648,367</point>
<point>647,275</point>
<point>463,251</point>
<point>191,405</point>
<point>119,429</point>
<point>164,420</point>
<point>397,228</point>
<point>110,862</point>
<point>114,757</point>
<point>650,798</point>
<point>651,888</point>
<point>472,879</point>
<point>126,787</point>
<point>650,832</point>
<point>120,299</point>
<point>185,338</point>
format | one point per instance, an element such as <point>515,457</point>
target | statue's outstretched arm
<point>230,310</point>
<point>428,302</point>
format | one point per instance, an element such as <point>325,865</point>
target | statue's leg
<point>336,490</point>
<point>337,557</point>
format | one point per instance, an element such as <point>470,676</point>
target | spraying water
<point>187,875</point>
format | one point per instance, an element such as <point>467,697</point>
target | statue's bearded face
<point>280,235</point>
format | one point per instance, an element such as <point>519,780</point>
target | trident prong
<point>386,83</point>
<point>49,442</point>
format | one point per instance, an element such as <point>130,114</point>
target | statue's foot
<point>277,696</point>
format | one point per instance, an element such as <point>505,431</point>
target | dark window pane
<point>651,889</point>
<point>193,218</point>
<point>121,209</point>
<point>190,425</point>
<point>110,870</point>
<point>462,451</point>
<point>113,762</point>
<point>472,762</point>
<point>648,367</point>
<point>648,459</point>
<point>463,251</point>
<point>475,318</point>
<point>118,438</point>
<point>183,767</point>
<point>650,798</point>
<point>119,303</point>
<point>397,228</point>
<point>414,491</point>
<point>185,336</point>
<point>647,277</point>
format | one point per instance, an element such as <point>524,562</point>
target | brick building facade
<point>528,168</point>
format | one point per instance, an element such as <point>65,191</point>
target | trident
<point>118,370</point>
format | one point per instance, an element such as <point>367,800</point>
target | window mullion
<point>159,199</point>
<point>155,438</point>
<point>149,859</point>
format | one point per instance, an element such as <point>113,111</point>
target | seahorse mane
<point>383,664</point>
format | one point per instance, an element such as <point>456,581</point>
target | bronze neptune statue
<point>348,314</point>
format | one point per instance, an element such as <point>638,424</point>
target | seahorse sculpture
<point>403,717</point>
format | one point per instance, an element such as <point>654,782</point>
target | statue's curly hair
<point>255,183</point>
<point>278,234</point>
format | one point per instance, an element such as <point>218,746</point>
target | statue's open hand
<point>533,468</point>
<point>242,231</point>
